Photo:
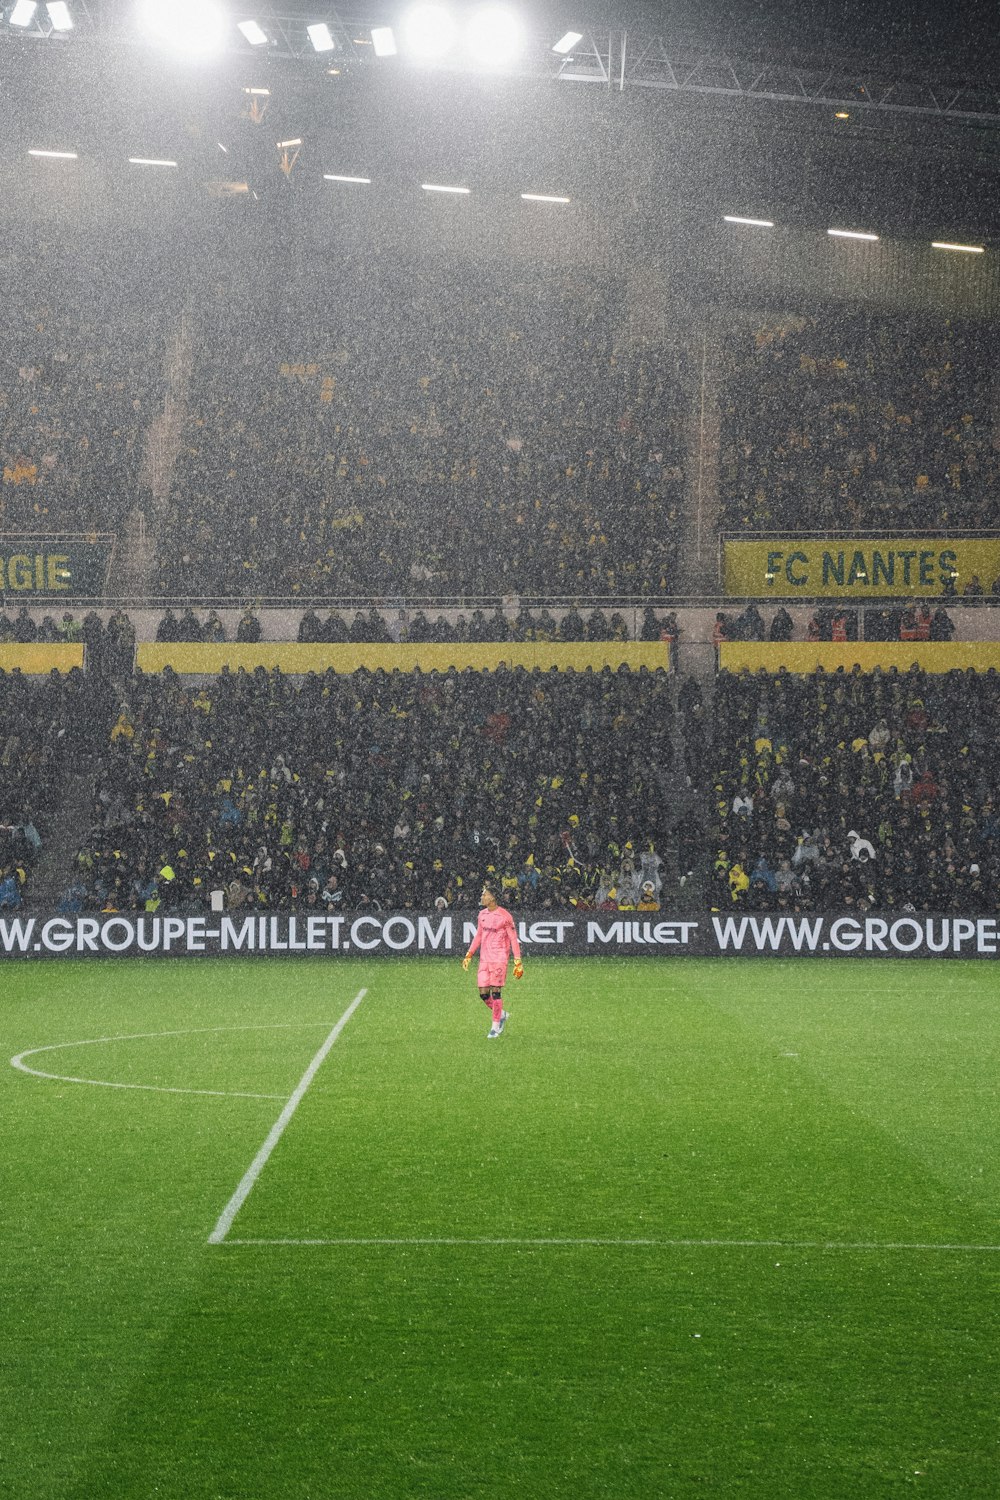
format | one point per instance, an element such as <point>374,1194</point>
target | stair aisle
<point>63,837</point>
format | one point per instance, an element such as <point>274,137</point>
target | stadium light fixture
<point>59,15</point>
<point>23,13</point>
<point>967,249</point>
<point>567,43</point>
<point>193,28</point>
<point>321,37</point>
<point>287,145</point>
<point>852,234</point>
<point>254,33</point>
<point>543,198</point>
<point>151,161</point>
<point>436,187</point>
<point>754,223</point>
<point>494,36</point>
<point>336,177</point>
<point>384,41</point>
<point>429,32</point>
<point>54,155</point>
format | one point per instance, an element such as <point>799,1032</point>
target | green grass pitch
<point>691,1227</point>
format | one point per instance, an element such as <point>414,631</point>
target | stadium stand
<point>54,725</point>
<point>873,790</point>
<point>855,419</point>
<point>406,789</point>
<point>514,446</point>
<point>81,380</point>
<point>438,436</point>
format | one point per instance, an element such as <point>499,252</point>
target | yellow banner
<point>39,660</point>
<point>298,659</point>
<point>809,656</point>
<point>857,568</point>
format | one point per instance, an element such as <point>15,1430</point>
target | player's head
<point>488,898</point>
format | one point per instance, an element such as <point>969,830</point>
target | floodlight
<point>192,27</point>
<point>968,249</point>
<point>54,155</point>
<point>23,13</point>
<point>287,145</point>
<point>754,223</point>
<point>428,31</point>
<point>59,15</point>
<point>151,161</point>
<point>336,177</point>
<point>568,42</point>
<point>852,234</point>
<point>436,187</point>
<point>494,36</point>
<point>254,33</point>
<point>543,198</point>
<point>383,41</point>
<point>321,37</point>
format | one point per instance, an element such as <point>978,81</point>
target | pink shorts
<point>492,976</point>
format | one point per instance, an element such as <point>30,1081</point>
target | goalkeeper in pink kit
<point>495,941</point>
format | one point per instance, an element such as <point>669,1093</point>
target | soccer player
<point>495,941</point>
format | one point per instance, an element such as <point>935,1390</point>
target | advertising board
<point>428,934</point>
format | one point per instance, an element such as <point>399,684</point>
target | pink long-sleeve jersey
<point>495,940</point>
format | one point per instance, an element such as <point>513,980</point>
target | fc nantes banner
<point>858,568</point>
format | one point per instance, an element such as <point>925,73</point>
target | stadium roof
<point>769,52</point>
<point>731,125</point>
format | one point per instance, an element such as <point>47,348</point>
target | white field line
<point>136,1036</point>
<point>152,1088</point>
<point>236,1202</point>
<point>648,1244</point>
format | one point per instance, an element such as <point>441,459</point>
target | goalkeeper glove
<point>518,969</point>
<point>466,961</point>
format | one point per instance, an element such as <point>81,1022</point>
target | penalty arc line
<point>19,1063</point>
<point>277,1130</point>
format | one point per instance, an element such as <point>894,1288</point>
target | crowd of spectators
<point>917,622</point>
<point>427,436</point>
<point>397,790</point>
<point>387,790</point>
<point>187,627</point>
<point>875,791</point>
<point>431,435</point>
<point>81,379</point>
<point>858,420</point>
<point>109,647</point>
<point>835,623</point>
<point>378,627</point>
<point>482,626</point>
<point>52,727</point>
